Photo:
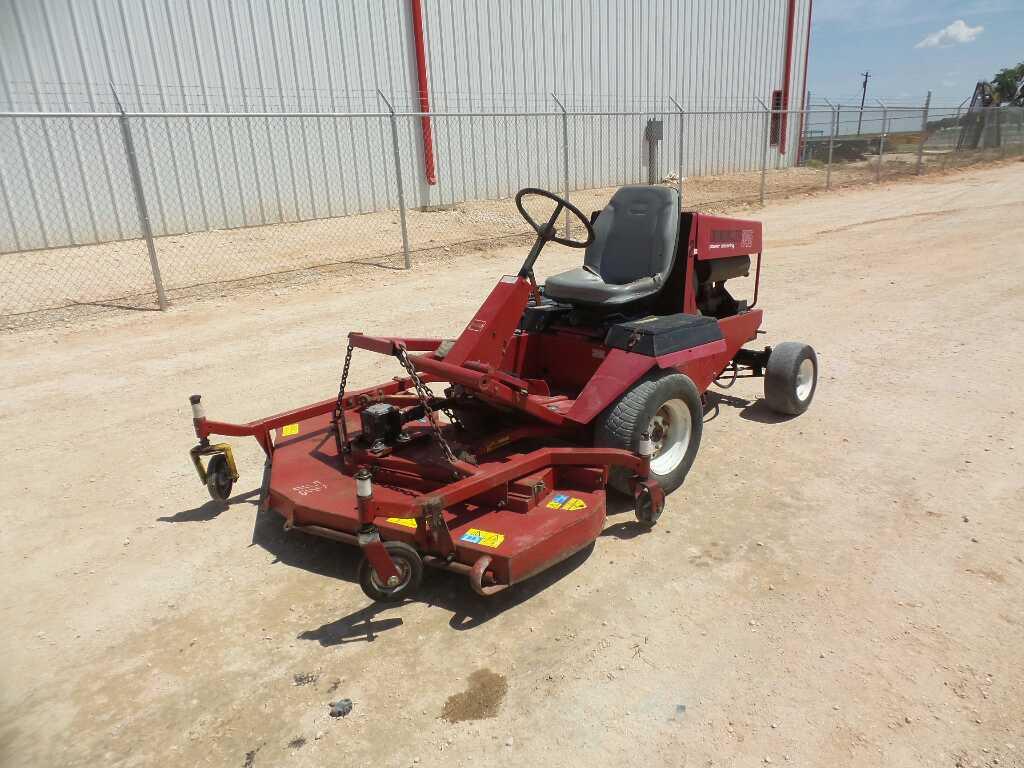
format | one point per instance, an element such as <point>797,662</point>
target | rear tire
<point>667,404</point>
<point>790,378</point>
<point>410,566</point>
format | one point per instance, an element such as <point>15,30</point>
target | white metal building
<point>268,56</point>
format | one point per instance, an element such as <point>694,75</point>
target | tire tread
<point>618,426</point>
<point>780,374</point>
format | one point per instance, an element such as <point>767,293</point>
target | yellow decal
<point>483,538</point>
<point>289,429</point>
<point>570,503</point>
<point>408,522</point>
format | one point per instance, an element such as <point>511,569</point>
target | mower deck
<point>531,522</point>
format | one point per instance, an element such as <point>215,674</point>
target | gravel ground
<point>844,588</point>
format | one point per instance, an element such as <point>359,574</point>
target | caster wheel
<point>219,481</point>
<point>647,512</point>
<point>410,570</point>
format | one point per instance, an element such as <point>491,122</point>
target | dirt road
<point>846,588</point>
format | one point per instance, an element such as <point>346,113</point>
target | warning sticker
<point>483,538</point>
<point>564,501</point>
<point>407,522</point>
<point>289,429</point>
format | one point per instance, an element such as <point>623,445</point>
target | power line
<point>863,95</point>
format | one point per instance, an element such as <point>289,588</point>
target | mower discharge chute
<point>553,393</point>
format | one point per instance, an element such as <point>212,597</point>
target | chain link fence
<point>136,210</point>
<point>852,146</point>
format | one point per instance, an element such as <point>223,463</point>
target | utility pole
<point>863,94</point>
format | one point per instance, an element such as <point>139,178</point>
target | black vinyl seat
<point>635,240</point>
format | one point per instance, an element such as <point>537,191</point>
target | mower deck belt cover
<point>655,336</point>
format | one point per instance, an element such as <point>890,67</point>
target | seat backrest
<point>636,235</point>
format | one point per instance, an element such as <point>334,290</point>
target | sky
<point>910,47</point>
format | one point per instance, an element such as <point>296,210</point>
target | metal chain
<point>453,418</point>
<point>425,395</point>
<point>339,407</point>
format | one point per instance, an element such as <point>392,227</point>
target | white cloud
<point>957,32</point>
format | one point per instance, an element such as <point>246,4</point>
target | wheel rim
<point>670,430</point>
<point>804,379</point>
<point>404,574</point>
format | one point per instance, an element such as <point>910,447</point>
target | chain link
<point>423,392</point>
<point>339,407</point>
<point>425,395</point>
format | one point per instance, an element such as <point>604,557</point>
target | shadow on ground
<point>448,591</point>
<point>751,410</point>
<point>620,504</point>
<point>211,509</point>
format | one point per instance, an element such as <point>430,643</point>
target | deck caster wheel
<point>219,481</point>
<point>648,507</point>
<point>790,378</point>
<point>410,569</point>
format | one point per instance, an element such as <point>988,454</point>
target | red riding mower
<point>553,393</point>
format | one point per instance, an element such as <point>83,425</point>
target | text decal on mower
<point>570,504</point>
<point>483,538</point>
<point>731,238</point>
<point>307,488</point>
<point>719,237</point>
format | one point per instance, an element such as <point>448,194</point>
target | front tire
<point>667,406</point>
<point>410,568</point>
<point>791,378</point>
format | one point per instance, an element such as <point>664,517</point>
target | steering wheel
<point>547,230</point>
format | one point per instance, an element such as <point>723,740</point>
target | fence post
<point>999,132</point>
<point>682,124</point>
<point>881,141</point>
<point>924,132</point>
<point>398,181</point>
<point>764,148</point>
<point>801,153</point>
<point>834,128</point>
<point>140,204</point>
<point>565,161</point>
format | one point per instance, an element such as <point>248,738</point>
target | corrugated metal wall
<point>332,56</point>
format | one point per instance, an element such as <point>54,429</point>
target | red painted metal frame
<point>720,238</point>
<point>743,238</point>
<point>489,356</point>
<point>514,467</point>
<point>261,428</point>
